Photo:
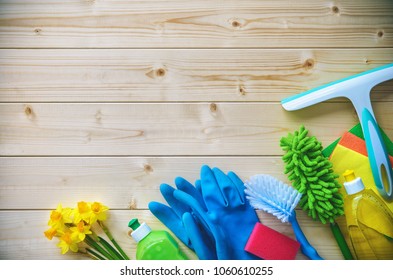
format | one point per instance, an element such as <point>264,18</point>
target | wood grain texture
<point>149,75</point>
<point>191,24</point>
<point>168,129</point>
<point>119,182</point>
<point>36,246</point>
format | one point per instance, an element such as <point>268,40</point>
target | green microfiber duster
<point>312,175</point>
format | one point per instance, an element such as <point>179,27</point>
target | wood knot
<point>242,90</point>
<point>236,24</point>
<point>155,72</point>
<point>335,10</point>
<point>37,31</point>
<point>380,34</point>
<point>29,112</point>
<point>160,72</point>
<point>147,168</point>
<point>213,107</point>
<point>132,204</point>
<point>309,63</point>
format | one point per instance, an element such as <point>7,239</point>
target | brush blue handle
<point>305,246</point>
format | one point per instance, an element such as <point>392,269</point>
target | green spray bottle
<point>154,244</point>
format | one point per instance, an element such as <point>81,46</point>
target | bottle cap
<point>353,184</point>
<point>139,231</point>
<point>134,224</point>
<point>349,175</point>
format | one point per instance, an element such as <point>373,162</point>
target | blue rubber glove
<point>227,213</point>
<point>179,218</point>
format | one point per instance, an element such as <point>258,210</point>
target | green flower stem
<point>107,232</point>
<point>96,246</point>
<point>110,249</point>
<point>120,249</point>
<point>94,254</point>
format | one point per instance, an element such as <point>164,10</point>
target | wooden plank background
<point>174,75</point>
<point>199,24</point>
<point>105,100</point>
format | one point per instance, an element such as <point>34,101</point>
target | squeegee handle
<point>378,155</point>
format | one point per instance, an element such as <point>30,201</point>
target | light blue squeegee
<point>357,89</point>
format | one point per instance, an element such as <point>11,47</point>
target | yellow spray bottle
<point>154,244</point>
<point>369,220</point>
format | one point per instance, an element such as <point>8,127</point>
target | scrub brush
<point>266,193</point>
<point>311,174</point>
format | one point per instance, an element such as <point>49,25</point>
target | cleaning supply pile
<point>217,216</point>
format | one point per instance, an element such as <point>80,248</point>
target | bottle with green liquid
<point>369,221</point>
<point>154,244</point>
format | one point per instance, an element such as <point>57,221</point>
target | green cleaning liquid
<point>154,244</point>
<point>369,221</point>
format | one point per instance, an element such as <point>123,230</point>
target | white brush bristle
<point>267,193</point>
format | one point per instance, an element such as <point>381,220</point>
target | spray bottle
<point>154,244</point>
<point>369,220</point>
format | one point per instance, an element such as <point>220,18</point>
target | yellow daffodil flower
<point>72,226</point>
<point>68,242</point>
<point>60,217</point>
<point>82,212</point>
<point>80,230</point>
<point>50,233</point>
<point>98,212</point>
